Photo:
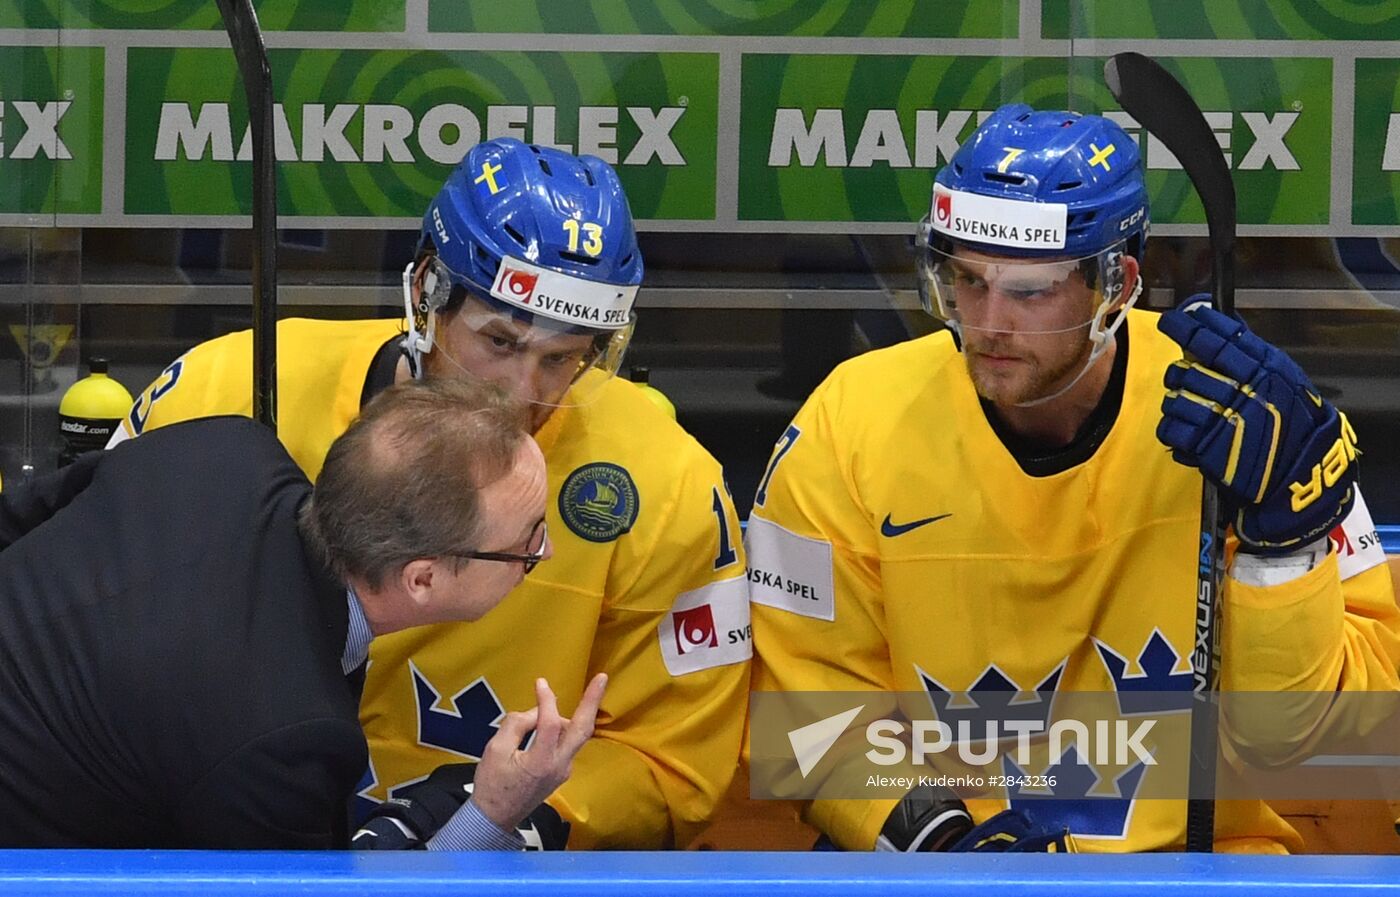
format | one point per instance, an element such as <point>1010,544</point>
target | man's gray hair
<point>403,481</point>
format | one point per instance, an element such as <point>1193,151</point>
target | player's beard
<point>1043,364</point>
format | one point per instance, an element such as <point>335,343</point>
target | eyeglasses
<point>539,537</point>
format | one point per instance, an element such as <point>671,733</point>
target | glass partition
<point>776,164</point>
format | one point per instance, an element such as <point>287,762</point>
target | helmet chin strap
<point>1101,338</point>
<point>417,343</point>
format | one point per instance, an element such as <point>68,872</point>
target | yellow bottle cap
<point>96,396</point>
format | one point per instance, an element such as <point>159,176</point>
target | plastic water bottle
<point>90,411</point>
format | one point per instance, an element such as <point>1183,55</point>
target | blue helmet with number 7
<point>1060,194</point>
<point>535,235</point>
<point>1084,171</point>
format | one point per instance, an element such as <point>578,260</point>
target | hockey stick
<point>1162,106</point>
<point>241,22</point>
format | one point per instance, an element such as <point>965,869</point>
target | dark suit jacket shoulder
<point>172,653</point>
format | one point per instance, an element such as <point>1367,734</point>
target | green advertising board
<point>50,130</point>
<point>845,137</point>
<point>857,138</point>
<point>374,133</point>
<point>1376,161</point>
<point>1368,20</point>
<point>273,15</point>
<point>1273,119</point>
<point>807,18</point>
<point>826,115</point>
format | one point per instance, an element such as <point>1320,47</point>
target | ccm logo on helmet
<point>441,228</point>
<point>517,284</point>
<point>1131,219</point>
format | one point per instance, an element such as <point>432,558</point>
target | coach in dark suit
<point>183,619</point>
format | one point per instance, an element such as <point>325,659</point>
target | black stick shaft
<point>1205,711</point>
<point>1161,105</point>
<point>241,22</point>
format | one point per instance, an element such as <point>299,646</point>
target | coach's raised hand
<point>510,782</point>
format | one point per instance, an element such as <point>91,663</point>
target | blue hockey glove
<point>1012,831</point>
<point>928,819</point>
<point>935,820</point>
<point>407,820</point>
<point>1247,416</point>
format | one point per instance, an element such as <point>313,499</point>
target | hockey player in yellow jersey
<point>991,509</point>
<point>526,275</point>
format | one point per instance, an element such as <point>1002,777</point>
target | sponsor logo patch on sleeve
<point>707,627</point>
<point>1356,542</point>
<point>790,572</point>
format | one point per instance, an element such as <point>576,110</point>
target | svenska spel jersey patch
<point>1356,541</point>
<point>707,627</point>
<point>795,573</point>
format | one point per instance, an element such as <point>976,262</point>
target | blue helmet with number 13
<point>527,244</point>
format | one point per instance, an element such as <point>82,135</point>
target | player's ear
<point>425,282</point>
<point>420,269</point>
<point>1131,271</point>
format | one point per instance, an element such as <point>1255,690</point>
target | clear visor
<point>537,359</point>
<point>978,291</point>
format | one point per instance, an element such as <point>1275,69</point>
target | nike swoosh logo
<point>890,529</point>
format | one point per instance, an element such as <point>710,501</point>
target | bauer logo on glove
<point>1247,416</point>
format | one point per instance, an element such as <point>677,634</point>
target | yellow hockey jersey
<point>646,584</point>
<point>896,544</point>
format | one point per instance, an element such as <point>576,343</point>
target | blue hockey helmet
<point>1031,206</point>
<point>535,234</point>
<point>1082,172</point>
<point>1029,186</point>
